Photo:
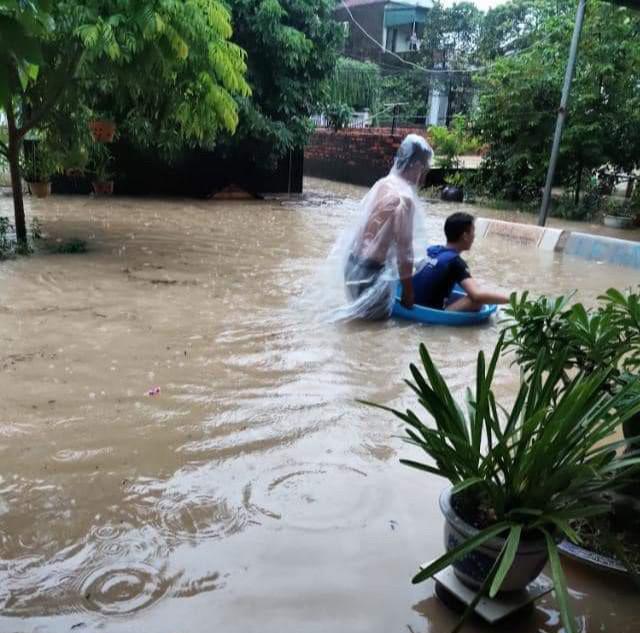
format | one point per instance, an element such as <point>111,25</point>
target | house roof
<point>427,4</point>
<point>359,3</point>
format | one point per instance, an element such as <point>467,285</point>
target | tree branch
<point>4,149</point>
<point>42,111</point>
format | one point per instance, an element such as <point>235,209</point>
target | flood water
<point>252,493</point>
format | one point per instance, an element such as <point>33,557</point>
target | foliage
<point>100,163</point>
<point>509,28</point>
<point>450,35</point>
<point>520,94</point>
<point>354,83</point>
<point>6,245</point>
<point>165,71</point>
<point>606,337</point>
<point>620,209</point>
<point>36,228</point>
<point>41,161</point>
<point>408,87</point>
<point>292,47</point>
<point>450,143</point>
<point>446,144</point>
<point>624,309</point>
<point>22,26</point>
<point>589,205</point>
<point>456,179</point>
<point>534,467</point>
<point>72,246</point>
<point>338,115</point>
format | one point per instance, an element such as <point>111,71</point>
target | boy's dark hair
<point>457,224</point>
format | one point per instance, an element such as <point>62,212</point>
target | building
<point>391,27</point>
<point>385,32</point>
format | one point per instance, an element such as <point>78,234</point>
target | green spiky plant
<point>536,465</point>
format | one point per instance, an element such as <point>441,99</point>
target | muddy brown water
<point>252,493</point>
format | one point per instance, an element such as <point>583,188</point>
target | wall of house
<point>197,173</point>
<point>358,45</point>
<point>356,156</point>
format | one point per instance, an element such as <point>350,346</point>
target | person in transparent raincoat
<point>377,250</point>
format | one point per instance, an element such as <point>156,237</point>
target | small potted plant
<point>102,181</point>
<point>453,190</point>
<point>619,215</point>
<point>102,129</point>
<point>518,474</point>
<point>448,144</point>
<point>38,166</point>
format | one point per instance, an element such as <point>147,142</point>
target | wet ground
<point>251,492</point>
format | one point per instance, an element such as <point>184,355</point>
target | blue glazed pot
<point>452,194</point>
<point>473,568</point>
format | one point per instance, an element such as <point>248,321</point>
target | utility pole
<point>562,112</point>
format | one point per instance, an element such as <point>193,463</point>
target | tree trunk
<point>578,184</point>
<point>16,181</point>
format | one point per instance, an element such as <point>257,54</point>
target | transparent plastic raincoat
<point>377,250</point>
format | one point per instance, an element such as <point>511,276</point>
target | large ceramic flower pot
<point>473,568</point>
<point>102,187</point>
<point>40,189</point>
<point>618,222</point>
<point>452,194</point>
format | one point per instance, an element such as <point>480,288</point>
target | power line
<point>474,69</point>
<point>394,54</point>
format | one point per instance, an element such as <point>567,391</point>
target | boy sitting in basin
<point>444,268</point>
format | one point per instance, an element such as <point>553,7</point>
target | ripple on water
<point>121,589</point>
<point>124,541</point>
<point>199,516</point>
<point>314,496</point>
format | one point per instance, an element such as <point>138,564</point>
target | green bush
<point>338,115</point>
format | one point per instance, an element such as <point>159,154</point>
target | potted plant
<point>102,129</point>
<point>102,181</point>
<point>606,336</point>
<point>453,190</point>
<point>519,474</point>
<point>449,144</point>
<point>619,215</point>
<point>38,166</point>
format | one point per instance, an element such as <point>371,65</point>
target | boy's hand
<point>408,298</point>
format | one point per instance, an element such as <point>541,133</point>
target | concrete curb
<point>526,234</point>
<point>584,245</point>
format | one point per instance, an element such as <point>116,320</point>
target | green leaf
<point>560,585</point>
<point>507,558</point>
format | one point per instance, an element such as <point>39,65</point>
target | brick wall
<point>356,156</point>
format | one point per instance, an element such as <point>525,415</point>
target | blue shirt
<point>442,270</point>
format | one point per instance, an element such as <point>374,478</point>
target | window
<point>391,41</point>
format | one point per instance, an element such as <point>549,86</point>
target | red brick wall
<point>358,156</point>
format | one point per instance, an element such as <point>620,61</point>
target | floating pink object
<point>154,391</point>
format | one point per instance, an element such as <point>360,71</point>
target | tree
<point>519,99</point>
<point>162,66</point>
<point>22,26</point>
<point>292,47</point>
<point>509,28</point>
<point>354,83</point>
<point>450,35</point>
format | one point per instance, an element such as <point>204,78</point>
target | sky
<point>481,4</point>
